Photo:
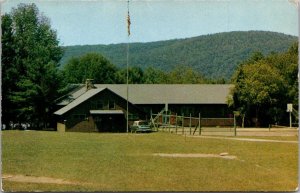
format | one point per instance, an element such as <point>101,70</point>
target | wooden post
<point>156,126</point>
<point>151,117</point>
<point>165,118</point>
<point>290,119</point>
<point>176,124</point>
<point>190,124</point>
<point>182,123</point>
<point>169,122</point>
<point>199,123</point>
<point>234,122</point>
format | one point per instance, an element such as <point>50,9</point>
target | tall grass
<point>124,162</point>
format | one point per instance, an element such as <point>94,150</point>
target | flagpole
<point>127,72</point>
<point>127,88</point>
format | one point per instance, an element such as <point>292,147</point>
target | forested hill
<point>214,56</point>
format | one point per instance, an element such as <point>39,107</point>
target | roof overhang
<point>82,98</point>
<point>105,112</point>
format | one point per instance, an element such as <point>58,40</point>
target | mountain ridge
<point>213,55</point>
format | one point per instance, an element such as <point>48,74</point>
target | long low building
<point>103,107</point>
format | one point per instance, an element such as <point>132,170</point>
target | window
<point>99,105</point>
<point>133,117</point>
<point>111,105</point>
<point>187,110</point>
<point>79,116</point>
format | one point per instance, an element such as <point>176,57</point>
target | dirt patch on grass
<point>36,179</point>
<point>196,155</point>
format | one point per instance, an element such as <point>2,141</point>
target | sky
<point>88,22</point>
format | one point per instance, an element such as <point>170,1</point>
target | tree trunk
<point>243,120</point>
<point>256,117</point>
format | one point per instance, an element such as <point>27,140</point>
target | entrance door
<point>111,123</point>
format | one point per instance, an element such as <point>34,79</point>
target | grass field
<point>125,162</point>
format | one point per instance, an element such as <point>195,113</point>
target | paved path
<point>253,132</point>
<point>247,139</point>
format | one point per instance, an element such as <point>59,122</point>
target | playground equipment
<point>169,121</point>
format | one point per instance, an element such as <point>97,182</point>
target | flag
<point>128,23</point>
<point>296,2</point>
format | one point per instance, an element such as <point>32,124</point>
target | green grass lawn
<point>124,162</point>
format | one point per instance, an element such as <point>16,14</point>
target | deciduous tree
<point>154,76</point>
<point>31,53</point>
<point>265,84</point>
<point>135,75</point>
<point>90,66</point>
<point>182,74</point>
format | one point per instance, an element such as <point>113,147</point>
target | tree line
<point>32,80</point>
<point>102,71</point>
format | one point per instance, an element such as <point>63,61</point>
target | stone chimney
<point>89,84</point>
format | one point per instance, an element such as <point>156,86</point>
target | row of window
<point>101,105</point>
<point>79,117</point>
<point>84,117</point>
